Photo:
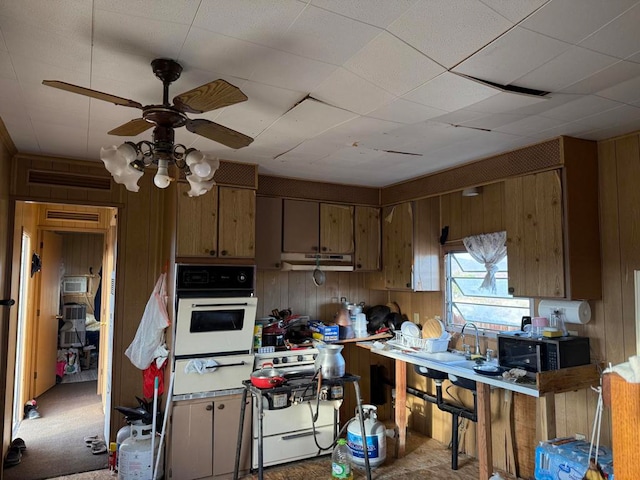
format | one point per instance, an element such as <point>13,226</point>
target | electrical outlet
<point>416,318</point>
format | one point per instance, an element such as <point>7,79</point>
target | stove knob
<point>300,358</point>
<point>276,361</point>
<point>285,359</point>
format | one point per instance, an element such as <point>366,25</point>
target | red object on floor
<point>60,368</point>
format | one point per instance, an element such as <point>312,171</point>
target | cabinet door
<point>397,239</point>
<point>236,224</point>
<point>196,223</point>
<point>192,440</point>
<point>367,238</point>
<point>300,226</point>
<point>426,248</point>
<point>533,218</point>
<point>225,435</point>
<point>268,232</point>
<point>336,228</point>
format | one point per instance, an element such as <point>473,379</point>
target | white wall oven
<point>215,318</point>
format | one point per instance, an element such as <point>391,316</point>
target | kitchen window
<point>465,301</point>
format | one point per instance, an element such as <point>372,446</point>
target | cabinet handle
<point>324,249</point>
<point>511,290</point>
<point>209,407</point>
<point>212,252</point>
<point>359,265</point>
<point>221,406</point>
<point>277,265</point>
<point>223,252</point>
<point>408,285</point>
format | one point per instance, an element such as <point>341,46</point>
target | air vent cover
<point>91,217</point>
<point>66,179</point>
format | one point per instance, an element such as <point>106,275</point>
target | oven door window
<point>204,321</point>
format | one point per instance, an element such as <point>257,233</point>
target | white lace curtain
<point>488,249</point>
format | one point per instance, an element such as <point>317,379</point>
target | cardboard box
<point>326,333</point>
<point>568,459</point>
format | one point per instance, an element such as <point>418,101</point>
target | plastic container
<point>341,461</point>
<point>360,326</point>
<point>375,433</point>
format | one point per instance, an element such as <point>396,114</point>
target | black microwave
<point>518,350</point>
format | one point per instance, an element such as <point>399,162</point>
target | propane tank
<point>375,434</point>
<point>122,435</point>
<point>135,460</point>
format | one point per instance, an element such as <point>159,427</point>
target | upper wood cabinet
<point>220,223</point>
<point>312,227</point>
<point>268,232</point>
<point>410,245</point>
<point>367,239</point>
<point>552,223</point>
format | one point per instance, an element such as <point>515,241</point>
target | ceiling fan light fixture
<point>162,178</point>
<point>199,186</point>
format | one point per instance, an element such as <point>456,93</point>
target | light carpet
<point>55,445</point>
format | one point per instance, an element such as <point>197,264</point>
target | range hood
<point>308,262</point>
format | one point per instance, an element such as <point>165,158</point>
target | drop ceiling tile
<point>62,140</point>
<point>505,102</point>
<point>346,90</point>
<point>217,53</point>
<point>141,36</point>
<point>286,70</point>
<point>610,132</point>
<point>611,118</point>
<point>6,67</point>
<point>392,65</point>
<point>265,105</point>
<point>492,121</point>
<point>569,67</point>
<point>70,52</point>
<point>625,92</point>
<point>448,31</point>
<point>3,45</point>
<point>619,38</point>
<point>529,125</point>
<point>458,117</point>
<point>451,92</point>
<point>21,132</point>
<point>580,108</point>
<point>327,37</point>
<point>32,72</point>
<point>379,13</point>
<point>571,129</point>
<point>562,20</point>
<point>403,111</point>
<point>182,11</point>
<point>69,18</point>
<point>257,22</point>
<point>513,55</point>
<point>515,10</point>
<point>358,129</point>
<point>606,78</point>
<point>552,100</point>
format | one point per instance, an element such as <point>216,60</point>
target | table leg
<point>260,437</point>
<point>401,406</point>
<point>236,468</point>
<point>547,416</point>
<point>485,453</point>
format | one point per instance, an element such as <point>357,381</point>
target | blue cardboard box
<point>326,333</point>
<point>568,459</point>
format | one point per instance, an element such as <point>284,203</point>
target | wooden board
<point>568,379</point>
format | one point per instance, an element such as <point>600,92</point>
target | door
<point>47,312</point>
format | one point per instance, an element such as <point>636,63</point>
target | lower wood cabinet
<point>204,436</point>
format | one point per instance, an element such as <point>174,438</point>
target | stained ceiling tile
<point>451,92</point>
<point>562,20</point>
<point>392,65</point>
<point>569,67</point>
<point>448,31</point>
<point>344,89</point>
<point>513,55</point>
<point>327,37</point>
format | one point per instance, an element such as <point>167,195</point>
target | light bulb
<point>128,152</point>
<point>162,178</point>
<point>201,169</point>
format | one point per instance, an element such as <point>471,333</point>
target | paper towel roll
<point>574,311</point>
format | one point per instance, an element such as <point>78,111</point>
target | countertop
<point>422,359</point>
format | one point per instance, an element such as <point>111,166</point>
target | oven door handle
<point>217,305</point>
<point>298,435</point>
<point>228,365</point>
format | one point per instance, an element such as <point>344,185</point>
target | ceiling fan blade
<point>91,93</point>
<point>218,133</point>
<point>210,96</point>
<point>131,128</point>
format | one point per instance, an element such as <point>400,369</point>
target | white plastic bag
<point>150,332</point>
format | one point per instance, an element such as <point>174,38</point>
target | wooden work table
<point>546,385</point>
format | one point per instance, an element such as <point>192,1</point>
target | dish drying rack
<point>427,345</point>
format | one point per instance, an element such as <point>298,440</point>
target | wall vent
<point>90,217</point>
<point>67,179</point>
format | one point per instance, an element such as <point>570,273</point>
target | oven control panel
<point>288,358</point>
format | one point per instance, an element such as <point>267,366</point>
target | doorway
<point>62,363</point>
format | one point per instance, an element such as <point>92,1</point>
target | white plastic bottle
<point>341,461</point>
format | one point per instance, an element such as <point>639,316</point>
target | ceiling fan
<point>166,117</point>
